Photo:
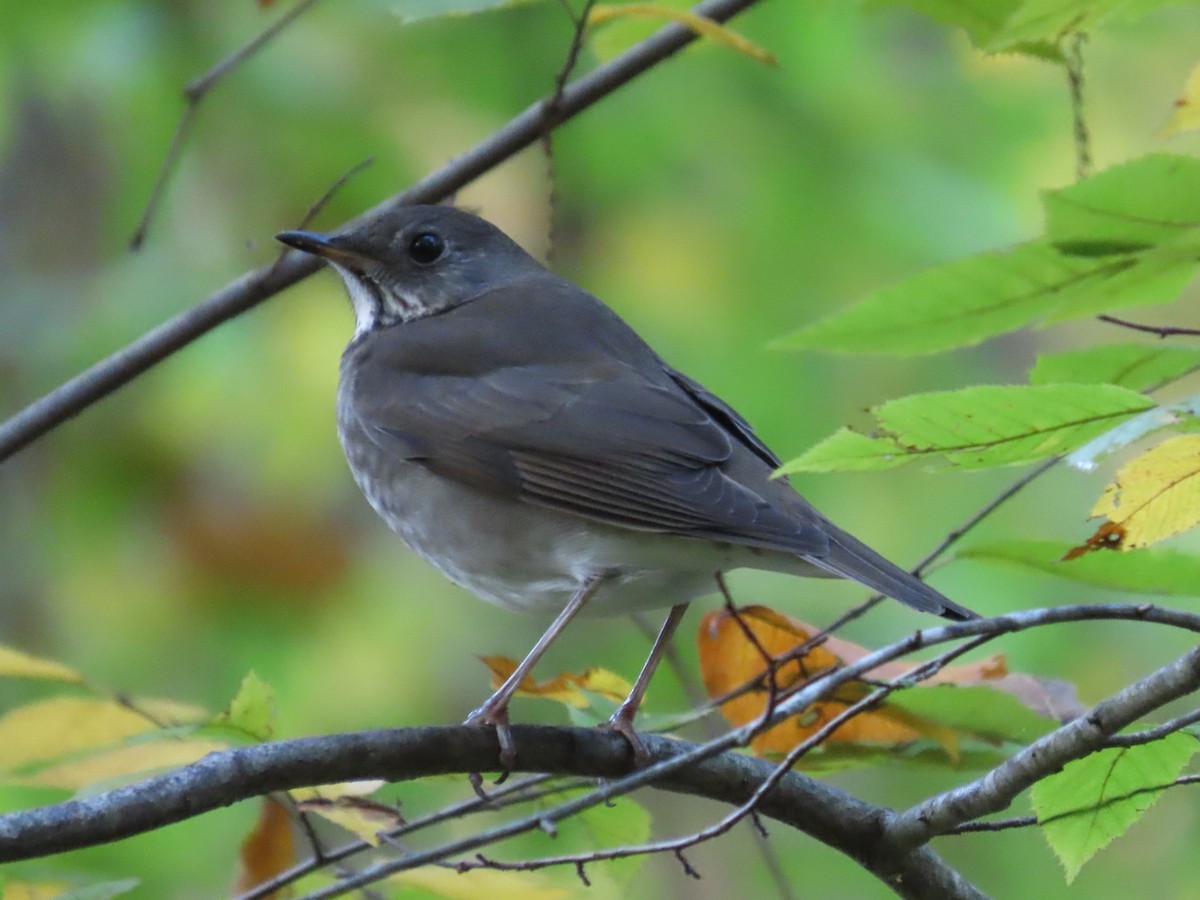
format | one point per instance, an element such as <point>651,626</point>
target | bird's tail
<point>851,558</point>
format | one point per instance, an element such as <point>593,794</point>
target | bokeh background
<point>201,522</point>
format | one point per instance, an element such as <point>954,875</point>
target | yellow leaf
<point>53,728</point>
<point>1187,108</point>
<point>714,31</point>
<point>34,890</point>
<point>475,883</point>
<point>17,664</point>
<point>359,815</point>
<point>122,764</point>
<point>268,850</point>
<point>252,709</point>
<point>1155,495</point>
<point>566,687</point>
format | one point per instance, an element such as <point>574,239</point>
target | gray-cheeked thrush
<point>520,436</point>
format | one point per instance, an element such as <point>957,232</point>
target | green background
<point>201,522</point>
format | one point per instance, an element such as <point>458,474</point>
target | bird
<point>519,435</point>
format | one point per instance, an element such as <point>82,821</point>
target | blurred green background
<point>201,522</point>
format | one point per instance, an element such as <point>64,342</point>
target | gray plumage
<point>523,438</point>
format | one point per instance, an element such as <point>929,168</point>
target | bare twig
<point>1161,331</point>
<point>1026,821</point>
<point>253,287</point>
<point>193,93</point>
<point>1154,734</point>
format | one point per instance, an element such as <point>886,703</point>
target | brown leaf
<point>268,850</point>
<point>728,659</point>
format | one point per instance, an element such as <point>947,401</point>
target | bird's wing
<point>607,441</point>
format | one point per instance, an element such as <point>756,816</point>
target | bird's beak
<point>326,246</point>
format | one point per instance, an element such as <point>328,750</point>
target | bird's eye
<point>426,248</point>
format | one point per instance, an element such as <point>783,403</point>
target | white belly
<point>532,559</point>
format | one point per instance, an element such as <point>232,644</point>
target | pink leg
<point>622,719</point>
<point>494,710</point>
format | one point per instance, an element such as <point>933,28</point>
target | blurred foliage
<point>201,523</point>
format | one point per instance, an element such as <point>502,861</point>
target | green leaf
<point>954,305</point>
<point>1134,366</point>
<point>623,823</point>
<point>1085,806</point>
<point>1051,20</point>
<point>977,710</point>
<point>1147,570</point>
<point>1157,275</point>
<point>849,451</point>
<point>252,710</point>
<point>104,891</point>
<point>1133,206</point>
<point>414,10</point>
<point>980,427</point>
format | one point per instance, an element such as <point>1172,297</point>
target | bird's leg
<point>494,710</point>
<point>622,719</point>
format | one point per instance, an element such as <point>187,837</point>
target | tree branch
<point>219,779</point>
<point>255,286</point>
<point>996,790</point>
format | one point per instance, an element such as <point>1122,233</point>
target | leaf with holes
<point>1155,495</point>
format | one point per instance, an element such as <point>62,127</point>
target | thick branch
<point>253,287</point>
<point>996,790</point>
<point>219,779</point>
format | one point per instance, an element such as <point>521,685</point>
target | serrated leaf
<point>1127,236</point>
<point>954,305</point>
<point>706,28</point>
<point>1050,21</point>
<point>979,427</point>
<point>849,451</point>
<point>252,710</point>
<point>1156,275</point>
<point>18,664</point>
<point>1134,366</point>
<point>1143,571</point>
<point>1155,495</point>
<point>1140,204</point>
<point>1085,806</point>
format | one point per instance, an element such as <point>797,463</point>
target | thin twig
<point>550,112</point>
<point>1161,331</point>
<point>1159,732</point>
<point>1026,821</point>
<point>194,92</point>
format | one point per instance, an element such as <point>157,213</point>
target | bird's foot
<point>622,723</point>
<point>495,714</point>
